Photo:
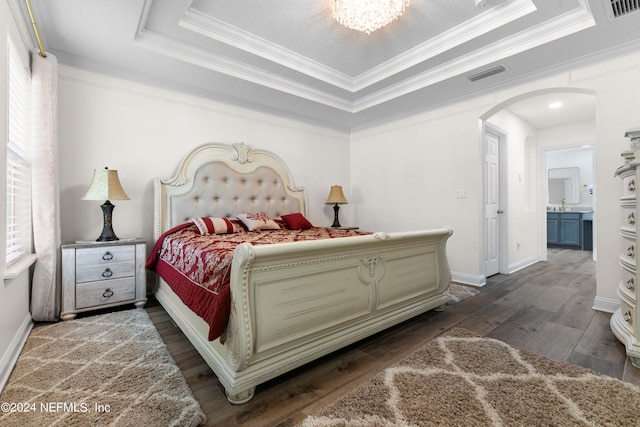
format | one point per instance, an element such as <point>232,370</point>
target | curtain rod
<point>35,29</point>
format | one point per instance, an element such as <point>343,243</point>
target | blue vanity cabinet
<point>569,230</point>
<point>553,224</point>
<point>564,229</point>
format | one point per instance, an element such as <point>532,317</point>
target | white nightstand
<point>102,274</point>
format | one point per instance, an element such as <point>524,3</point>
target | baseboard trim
<point>10,356</point>
<point>522,264</point>
<point>468,279</point>
<point>607,305</point>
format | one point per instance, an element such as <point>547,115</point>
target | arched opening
<point>532,128</point>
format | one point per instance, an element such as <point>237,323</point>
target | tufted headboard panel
<point>220,180</point>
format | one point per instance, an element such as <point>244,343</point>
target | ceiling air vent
<point>487,73</point>
<point>623,7</point>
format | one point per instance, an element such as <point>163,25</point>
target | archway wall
<point>407,173</point>
<point>521,203</point>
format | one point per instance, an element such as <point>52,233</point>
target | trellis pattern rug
<point>457,292</point>
<point>461,379</point>
<point>106,370</point>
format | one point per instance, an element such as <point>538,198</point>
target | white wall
<point>143,132</point>
<point>402,175</point>
<point>15,318</point>
<point>405,173</point>
<point>522,211</point>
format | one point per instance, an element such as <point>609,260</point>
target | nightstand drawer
<point>100,293</point>
<point>108,271</point>
<point>102,274</point>
<point>105,255</point>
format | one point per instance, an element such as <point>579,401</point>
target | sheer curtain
<point>45,292</point>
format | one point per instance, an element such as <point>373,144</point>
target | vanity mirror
<point>564,183</point>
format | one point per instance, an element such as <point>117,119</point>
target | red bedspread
<point>198,267</point>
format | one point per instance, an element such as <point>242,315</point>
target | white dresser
<point>98,275</point>
<point>625,321</point>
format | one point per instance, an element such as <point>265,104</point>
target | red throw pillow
<point>208,225</point>
<point>296,221</point>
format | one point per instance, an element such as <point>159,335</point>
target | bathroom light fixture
<point>367,15</point>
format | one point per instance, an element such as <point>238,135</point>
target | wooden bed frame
<point>292,303</point>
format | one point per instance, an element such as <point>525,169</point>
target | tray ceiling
<point>292,58</point>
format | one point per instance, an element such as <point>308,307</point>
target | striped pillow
<point>208,225</point>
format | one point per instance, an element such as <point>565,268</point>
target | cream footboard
<point>292,303</point>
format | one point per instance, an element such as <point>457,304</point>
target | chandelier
<point>367,15</point>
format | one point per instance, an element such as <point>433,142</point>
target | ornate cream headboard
<point>220,180</point>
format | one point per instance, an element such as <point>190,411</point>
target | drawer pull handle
<point>627,316</point>
<point>631,251</point>
<point>632,185</point>
<point>631,219</point>
<point>108,293</point>
<point>630,284</point>
<point>107,272</point>
<point>108,256</point>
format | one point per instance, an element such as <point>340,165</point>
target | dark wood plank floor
<point>545,308</point>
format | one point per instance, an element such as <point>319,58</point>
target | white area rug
<point>106,370</point>
<point>460,379</point>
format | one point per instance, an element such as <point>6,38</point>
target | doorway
<point>495,195</point>
<point>532,127</point>
<point>579,158</point>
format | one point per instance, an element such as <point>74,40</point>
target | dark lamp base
<point>107,230</point>
<point>336,223</point>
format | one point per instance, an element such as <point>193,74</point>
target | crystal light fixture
<point>367,15</point>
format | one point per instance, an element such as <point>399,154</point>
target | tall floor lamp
<point>336,197</point>
<point>106,186</point>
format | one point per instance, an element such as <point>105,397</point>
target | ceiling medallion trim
<point>367,16</point>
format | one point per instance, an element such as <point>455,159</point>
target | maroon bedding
<point>197,267</point>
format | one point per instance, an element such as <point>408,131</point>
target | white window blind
<point>18,167</point>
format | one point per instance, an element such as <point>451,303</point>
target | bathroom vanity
<point>570,229</point>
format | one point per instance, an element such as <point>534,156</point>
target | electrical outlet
<point>462,193</point>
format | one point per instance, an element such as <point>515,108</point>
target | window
<point>18,167</point>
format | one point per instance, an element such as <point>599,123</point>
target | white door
<point>492,204</point>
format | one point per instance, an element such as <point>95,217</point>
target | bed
<point>291,302</point>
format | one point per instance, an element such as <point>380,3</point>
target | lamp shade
<point>336,196</point>
<point>105,186</point>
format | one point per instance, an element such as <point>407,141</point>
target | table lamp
<point>106,186</point>
<point>336,197</point>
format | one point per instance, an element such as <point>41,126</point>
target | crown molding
<point>482,24</point>
<point>563,25</point>
<point>184,52</point>
<point>223,32</point>
<point>557,27</point>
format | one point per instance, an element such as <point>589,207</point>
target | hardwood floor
<point>545,308</point>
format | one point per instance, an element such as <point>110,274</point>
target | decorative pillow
<point>258,221</point>
<point>208,225</point>
<point>296,221</point>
